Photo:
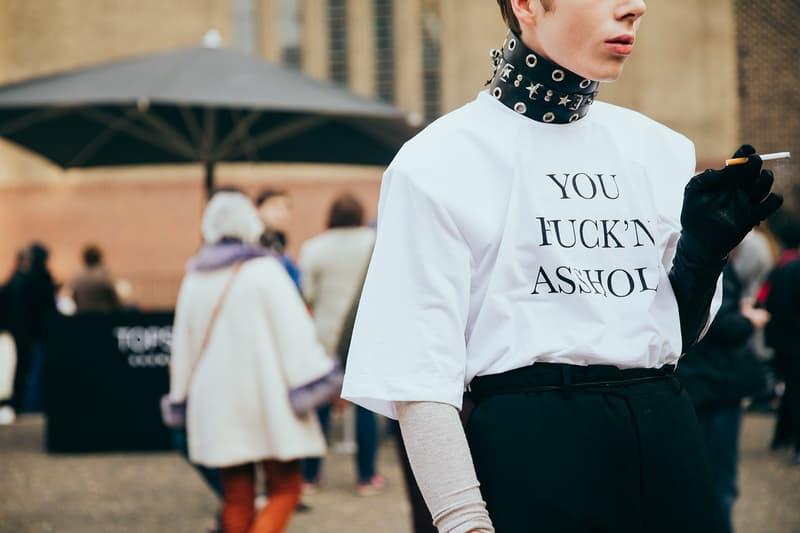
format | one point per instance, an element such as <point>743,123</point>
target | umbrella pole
<point>209,178</point>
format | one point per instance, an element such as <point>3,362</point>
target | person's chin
<point>601,67</point>
<point>609,72</point>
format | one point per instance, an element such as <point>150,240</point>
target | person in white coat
<point>260,344</point>
<point>8,361</point>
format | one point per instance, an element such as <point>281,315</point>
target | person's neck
<point>531,85</point>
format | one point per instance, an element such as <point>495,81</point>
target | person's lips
<point>621,45</point>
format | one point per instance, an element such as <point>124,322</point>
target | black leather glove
<point>720,207</point>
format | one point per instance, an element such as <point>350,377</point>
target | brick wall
<point>149,228</point>
<point>768,48</point>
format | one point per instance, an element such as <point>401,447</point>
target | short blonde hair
<point>511,19</point>
<point>231,215</point>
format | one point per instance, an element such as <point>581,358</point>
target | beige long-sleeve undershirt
<point>442,464</point>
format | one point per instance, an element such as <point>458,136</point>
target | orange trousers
<point>284,487</point>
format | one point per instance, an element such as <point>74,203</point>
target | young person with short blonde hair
<point>536,248</point>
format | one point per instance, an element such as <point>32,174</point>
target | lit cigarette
<point>764,157</point>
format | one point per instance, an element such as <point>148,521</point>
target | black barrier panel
<point>105,375</point>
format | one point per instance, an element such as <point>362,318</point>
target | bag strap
<point>214,315</point>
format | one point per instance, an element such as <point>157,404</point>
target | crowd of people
<point>253,329</point>
<point>246,419</point>
<point>27,300</point>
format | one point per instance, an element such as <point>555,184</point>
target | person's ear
<point>526,11</point>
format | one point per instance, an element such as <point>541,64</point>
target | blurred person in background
<point>332,266</point>
<point>259,343</point>
<point>421,520</point>
<point>11,289</point>
<point>275,209</point>
<point>719,372</point>
<point>781,297</point>
<point>8,360</point>
<point>93,288</point>
<point>753,261</point>
<point>781,332</point>
<point>32,297</point>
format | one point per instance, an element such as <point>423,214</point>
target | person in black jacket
<point>32,297</point>
<point>784,304</point>
<point>718,373</point>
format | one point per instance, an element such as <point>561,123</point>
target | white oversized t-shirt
<point>503,241</point>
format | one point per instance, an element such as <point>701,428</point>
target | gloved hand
<point>721,206</point>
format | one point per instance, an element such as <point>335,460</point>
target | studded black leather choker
<point>538,88</point>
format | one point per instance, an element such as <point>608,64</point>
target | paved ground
<point>153,493</point>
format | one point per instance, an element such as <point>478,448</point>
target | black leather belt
<point>548,377</point>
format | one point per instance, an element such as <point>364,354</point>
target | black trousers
<point>568,449</point>
<point>791,399</point>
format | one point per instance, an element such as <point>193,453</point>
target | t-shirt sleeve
<point>408,342</point>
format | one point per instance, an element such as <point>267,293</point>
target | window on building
<point>244,30</point>
<point>384,49</point>
<point>290,32</point>
<point>337,41</point>
<point>431,59</point>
